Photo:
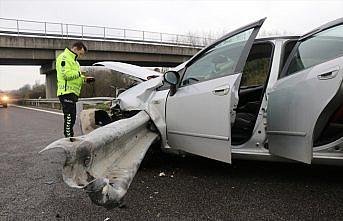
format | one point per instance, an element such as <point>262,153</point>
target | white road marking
<point>30,108</point>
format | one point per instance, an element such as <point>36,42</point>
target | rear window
<point>321,47</point>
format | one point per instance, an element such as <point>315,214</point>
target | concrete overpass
<point>21,50</point>
<point>19,47</point>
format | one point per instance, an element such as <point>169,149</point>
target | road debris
<point>50,182</point>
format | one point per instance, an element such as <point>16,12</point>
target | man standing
<point>69,83</point>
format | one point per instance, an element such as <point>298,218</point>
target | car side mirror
<point>172,78</point>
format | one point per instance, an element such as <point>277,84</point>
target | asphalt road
<point>31,185</point>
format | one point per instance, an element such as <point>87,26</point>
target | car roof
<point>270,38</point>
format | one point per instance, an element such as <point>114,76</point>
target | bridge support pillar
<point>50,79</point>
<point>51,84</point>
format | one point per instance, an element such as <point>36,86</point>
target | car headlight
<point>4,98</point>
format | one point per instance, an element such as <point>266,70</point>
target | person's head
<point>79,48</point>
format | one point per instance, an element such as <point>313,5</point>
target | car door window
<point>219,61</point>
<point>321,47</point>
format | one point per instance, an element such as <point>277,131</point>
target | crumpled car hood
<point>133,71</point>
<point>137,97</point>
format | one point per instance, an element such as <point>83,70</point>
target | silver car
<point>242,97</point>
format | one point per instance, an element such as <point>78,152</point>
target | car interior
<point>252,87</point>
<point>329,126</point>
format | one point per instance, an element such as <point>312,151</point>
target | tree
<point>37,91</point>
<point>24,92</point>
<point>29,92</point>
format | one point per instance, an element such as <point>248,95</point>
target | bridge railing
<point>88,32</point>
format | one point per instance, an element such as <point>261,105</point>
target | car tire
<point>5,105</point>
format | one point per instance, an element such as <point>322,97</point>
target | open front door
<point>200,113</point>
<point>311,78</point>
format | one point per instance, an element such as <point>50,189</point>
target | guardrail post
<point>104,33</point>
<point>45,29</point>
<point>79,108</point>
<point>124,34</point>
<point>82,31</point>
<point>18,27</point>
<point>143,35</point>
<point>161,36</point>
<point>67,30</point>
<point>62,29</point>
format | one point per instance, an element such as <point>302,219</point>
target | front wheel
<point>5,105</point>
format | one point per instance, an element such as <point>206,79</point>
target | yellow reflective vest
<point>69,77</point>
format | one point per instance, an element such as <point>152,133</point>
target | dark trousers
<point>68,102</point>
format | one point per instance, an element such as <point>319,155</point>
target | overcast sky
<point>179,17</point>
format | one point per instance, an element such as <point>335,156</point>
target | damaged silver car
<point>241,97</point>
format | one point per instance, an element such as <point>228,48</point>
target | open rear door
<point>199,114</point>
<point>310,79</point>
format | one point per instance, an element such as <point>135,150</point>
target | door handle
<point>328,75</point>
<point>221,91</point>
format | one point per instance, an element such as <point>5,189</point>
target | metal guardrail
<point>110,155</point>
<point>90,101</point>
<point>54,101</point>
<point>75,31</point>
